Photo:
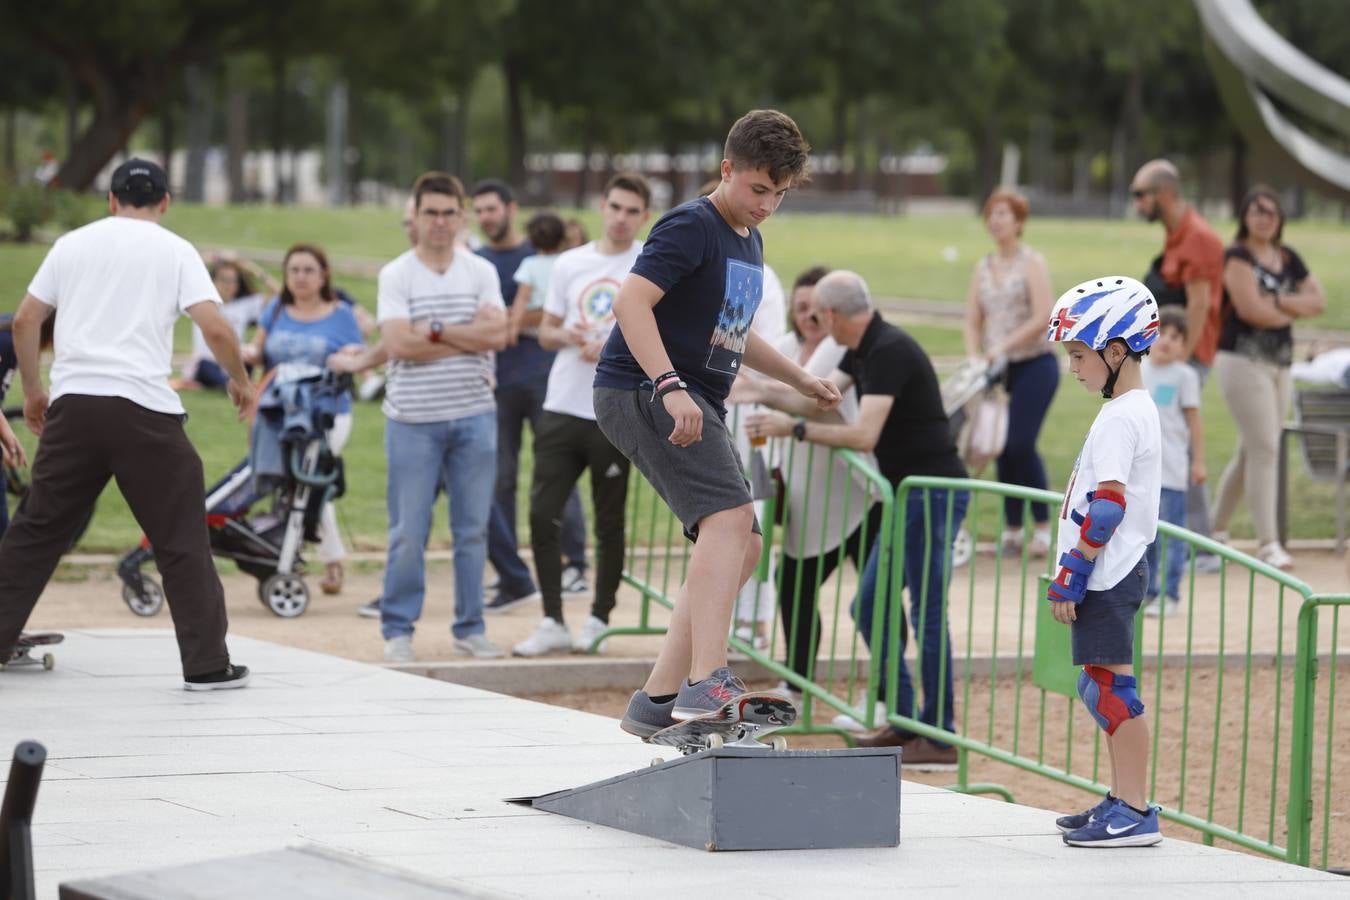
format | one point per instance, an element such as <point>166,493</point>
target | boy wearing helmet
<point>1108,518</point>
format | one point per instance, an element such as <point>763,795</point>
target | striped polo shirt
<point>456,386</point>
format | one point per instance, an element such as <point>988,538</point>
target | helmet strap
<point>1109,389</point>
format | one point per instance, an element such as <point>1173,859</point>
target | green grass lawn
<point>900,257</point>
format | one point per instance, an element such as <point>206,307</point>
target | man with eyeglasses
<point>442,316</point>
<point>1188,273</point>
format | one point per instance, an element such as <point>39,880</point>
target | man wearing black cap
<point>120,283</point>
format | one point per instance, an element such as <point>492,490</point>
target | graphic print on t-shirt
<point>1165,395</point>
<point>596,301</point>
<point>744,290</point>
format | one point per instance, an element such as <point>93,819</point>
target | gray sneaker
<point>399,649</point>
<point>645,718</point>
<point>713,692</point>
<point>478,646</point>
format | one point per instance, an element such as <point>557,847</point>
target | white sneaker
<point>848,723</point>
<point>574,582</point>
<point>591,629</point>
<point>399,649</point>
<point>1208,563</point>
<point>748,634</point>
<point>1273,554</point>
<point>550,636</point>
<point>788,692</point>
<point>1040,543</point>
<point>1156,608</point>
<point>477,646</point>
<point>1011,541</point>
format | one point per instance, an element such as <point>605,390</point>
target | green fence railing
<point>1240,681</point>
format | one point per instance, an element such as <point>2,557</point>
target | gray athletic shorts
<point>1103,633</point>
<point>695,481</point>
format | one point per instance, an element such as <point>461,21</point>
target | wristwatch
<point>799,429</point>
<point>437,326</point>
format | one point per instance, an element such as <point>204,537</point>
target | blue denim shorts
<point>1103,633</point>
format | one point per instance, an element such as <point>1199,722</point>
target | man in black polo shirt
<point>901,421</point>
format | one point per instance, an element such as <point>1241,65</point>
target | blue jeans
<point>922,559</point>
<point>1171,508</point>
<point>1031,386</point>
<point>462,455</point>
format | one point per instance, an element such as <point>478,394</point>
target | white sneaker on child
<point>1273,554</point>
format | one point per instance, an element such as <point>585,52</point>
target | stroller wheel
<point>285,595</point>
<point>148,603</point>
<point>963,548</point>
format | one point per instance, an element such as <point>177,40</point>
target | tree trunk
<point>587,148</point>
<point>860,173</point>
<point>236,140</point>
<point>114,121</point>
<point>987,160</point>
<point>1237,176</point>
<point>11,166</point>
<point>280,190</point>
<point>515,124</point>
<point>200,109</point>
<point>338,109</point>
<point>166,137</point>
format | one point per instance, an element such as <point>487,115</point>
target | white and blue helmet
<point>1101,310</point>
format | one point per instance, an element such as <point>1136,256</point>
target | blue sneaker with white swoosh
<point>1118,826</point>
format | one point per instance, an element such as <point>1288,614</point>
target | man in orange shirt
<point>1189,273</point>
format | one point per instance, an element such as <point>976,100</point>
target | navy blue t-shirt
<point>526,362</point>
<point>9,361</point>
<point>714,280</point>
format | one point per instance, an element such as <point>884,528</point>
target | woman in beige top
<point>1006,315</point>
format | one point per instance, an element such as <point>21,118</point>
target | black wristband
<point>799,429</point>
<point>668,384</point>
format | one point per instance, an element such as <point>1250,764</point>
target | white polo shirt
<point>118,286</point>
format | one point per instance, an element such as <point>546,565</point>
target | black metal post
<point>16,817</point>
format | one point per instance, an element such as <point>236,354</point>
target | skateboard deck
<point>22,654</point>
<point>737,722</point>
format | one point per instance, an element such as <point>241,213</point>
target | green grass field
<point>901,257</point>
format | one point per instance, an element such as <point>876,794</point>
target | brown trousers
<point>86,441</point>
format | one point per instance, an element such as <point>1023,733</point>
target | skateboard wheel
<point>656,761</point>
<point>778,742</point>
<point>48,661</point>
<point>714,741</point>
<point>148,603</point>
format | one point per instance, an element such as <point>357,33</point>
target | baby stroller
<point>264,510</point>
<point>978,417</point>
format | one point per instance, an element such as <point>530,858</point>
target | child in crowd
<point>1106,326</point>
<point>546,233</point>
<point>1175,389</point>
<point>238,281</point>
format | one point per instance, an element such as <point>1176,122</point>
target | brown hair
<point>630,181</point>
<point>326,292</point>
<point>437,183</point>
<point>245,282</point>
<point>1016,203</point>
<point>545,231</point>
<point>1256,193</point>
<point>769,139</point>
<point>1173,317</point>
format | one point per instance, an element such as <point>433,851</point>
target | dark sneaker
<point>226,679</point>
<point>1072,823</point>
<point>713,692</point>
<point>645,718</point>
<point>371,610</point>
<point>504,602</point>
<point>1118,826</point>
<point>926,756</point>
<point>886,736</point>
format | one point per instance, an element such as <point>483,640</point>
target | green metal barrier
<point>1243,746</point>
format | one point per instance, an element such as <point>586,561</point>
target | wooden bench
<point>1322,424</point>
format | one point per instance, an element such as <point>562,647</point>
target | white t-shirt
<point>1174,387</point>
<point>118,286</point>
<point>1124,444</point>
<point>240,313</point>
<point>455,386</point>
<point>770,320</point>
<point>582,289</point>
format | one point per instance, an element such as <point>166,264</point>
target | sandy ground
<point>1003,616</point>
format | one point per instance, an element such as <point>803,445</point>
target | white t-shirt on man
<point>1124,444</point>
<point>118,286</point>
<point>452,387</point>
<point>582,289</point>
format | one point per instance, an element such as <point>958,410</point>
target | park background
<point>308,122</point>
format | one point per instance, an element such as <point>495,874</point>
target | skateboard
<point>736,723</point>
<point>22,654</point>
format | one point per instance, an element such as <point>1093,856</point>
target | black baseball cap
<point>139,179</point>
